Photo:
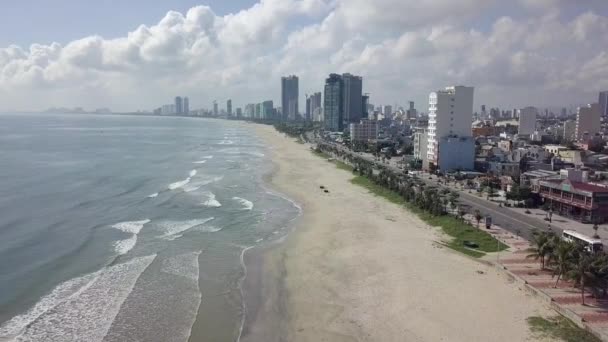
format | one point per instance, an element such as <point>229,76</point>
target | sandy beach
<point>359,268</point>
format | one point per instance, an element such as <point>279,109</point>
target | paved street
<point>515,222</point>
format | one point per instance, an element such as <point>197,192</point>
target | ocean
<point>121,228</point>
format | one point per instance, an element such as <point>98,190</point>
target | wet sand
<point>359,268</point>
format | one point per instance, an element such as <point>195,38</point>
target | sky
<point>139,54</point>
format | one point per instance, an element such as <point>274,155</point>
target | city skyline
<point>216,52</point>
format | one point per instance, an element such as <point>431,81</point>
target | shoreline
<point>357,267</point>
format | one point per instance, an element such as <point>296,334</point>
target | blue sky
<point>515,53</point>
<point>23,22</point>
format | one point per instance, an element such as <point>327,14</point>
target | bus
<point>591,245</point>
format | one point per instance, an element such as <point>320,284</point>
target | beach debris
<point>326,191</point>
<point>322,187</point>
<point>481,272</point>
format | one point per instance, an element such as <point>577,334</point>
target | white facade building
<point>450,114</point>
<point>420,145</point>
<point>588,120</point>
<point>527,120</point>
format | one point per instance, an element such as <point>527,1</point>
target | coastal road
<point>512,221</point>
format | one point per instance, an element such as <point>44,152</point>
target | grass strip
<point>460,231</point>
<point>559,328</point>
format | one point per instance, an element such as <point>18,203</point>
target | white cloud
<point>403,48</point>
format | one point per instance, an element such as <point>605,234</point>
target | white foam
<point>123,247</point>
<point>247,205</point>
<point>200,162</point>
<point>179,184</point>
<point>207,229</point>
<point>81,309</point>
<point>173,229</point>
<point>193,173</point>
<point>208,157</point>
<point>153,195</point>
<point>132,227</point>
<point>191,188</point>
<point>184,265</point>
<point>211,202</point>
<point>226,142</point>
<point>210,180</point>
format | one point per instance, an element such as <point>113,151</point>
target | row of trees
<point>571,261</point>
<point>413,190</point>
<point>294,129</point>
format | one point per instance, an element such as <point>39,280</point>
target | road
<point>512,221</point>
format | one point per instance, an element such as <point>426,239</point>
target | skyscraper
<point>215,110</point>
<point>333,103</point>
<point>186,105</point>
<point>308,110</point>
<point>527,120</point>
<point>365,106</point>
<point>603,103</point>
<point>267,110</point>
<point>316,108</point>
<point>411,112</point>
<point>588,121</point>
<point>352,97</point>
<point>289,97</point>
<point>239,112</point>
<point>229,107</point>
<point>450,114</point>
<point>179,105</point>
<point>387,111</point>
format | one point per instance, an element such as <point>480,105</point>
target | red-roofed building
<point>582,201</point>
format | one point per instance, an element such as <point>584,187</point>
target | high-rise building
<point>527,120</point>
<point>215,109</point>
<point>333,109</point>
<point>316,109</point>
<point>603,103</point>
<point>363,131</point>
<point>289,97</point>
<point>411,113</point>
<point>387,111</point>
<point>250,110</point>
<point>267,110</point>
<point>450,115</point>
<point>353,98</point>
<point>588,121</point>
<point>258,111</point>
<point>186,105</point>
<point>229,107</point>
<point>569,130</point>
<point>365,106</point>
<point>308,109</point>
<point>239,112</point>
<point>179,105</point>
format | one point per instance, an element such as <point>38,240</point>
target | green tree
<point>562,259</point>
<point>478,217</point>
<point>579,272</point>
<point>542,247</point>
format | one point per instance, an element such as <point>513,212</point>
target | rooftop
<point>587,187</point>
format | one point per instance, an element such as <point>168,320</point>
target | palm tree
<point>579,272</point>
<point>562,258</point>
<point>542,247</point>
<point>478,217</point>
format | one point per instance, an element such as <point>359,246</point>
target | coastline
<point>358,268</point>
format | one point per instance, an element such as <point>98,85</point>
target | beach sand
<point>359,268</point>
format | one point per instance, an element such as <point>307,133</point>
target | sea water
<point>118,228</point>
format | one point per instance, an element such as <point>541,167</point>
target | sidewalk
<point>563,223</point>
<point>565,299</point>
